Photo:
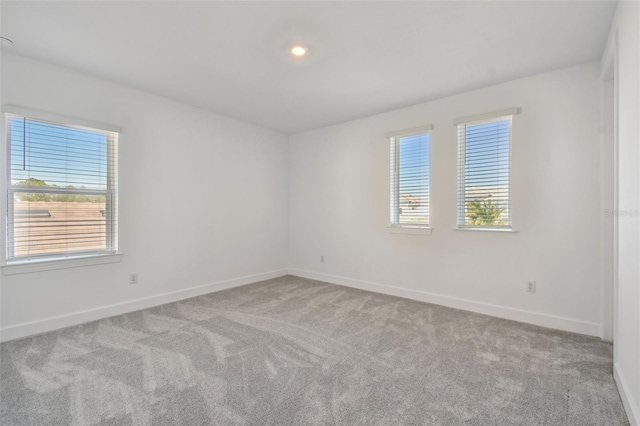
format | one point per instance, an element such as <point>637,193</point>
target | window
<point>61,190</point>
<point>484,180</point>
<point>410,164</point>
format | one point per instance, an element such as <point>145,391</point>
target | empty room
<point>320,213</point>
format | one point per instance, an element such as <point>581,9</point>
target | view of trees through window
<point>43,196</point>
<point>484,193</point>
<point>59,196</point>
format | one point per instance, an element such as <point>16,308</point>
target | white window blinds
<point>62,190</point>
<point>484,171</point>
<point>410,177</point>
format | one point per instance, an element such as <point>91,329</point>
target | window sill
<point>28,266</point>
<point>508,231</point>
<point>409,231</point>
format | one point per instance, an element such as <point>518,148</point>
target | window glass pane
<point>410,183</point>
<point>56,155</point>
<point>45,223</point>
<point>62,190</point>
<point>485,191</point>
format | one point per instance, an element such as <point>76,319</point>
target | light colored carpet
<point>291,351</point>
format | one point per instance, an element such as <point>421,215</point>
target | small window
<point>484,171</point>
<point>410,177</point>
<point>61,190</point>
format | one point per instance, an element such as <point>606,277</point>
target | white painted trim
<point>607,199</point>
<point>607,60</point>
<point>507,230</point>
<point>67,320</point>
<point>61,321</point>
<point>487,116</point>
<point>39,265</point>
<point>407,230</point>
<point>530,317</point>
<point>57,118</point>
<point>410,132</point>
<point>629,406</point>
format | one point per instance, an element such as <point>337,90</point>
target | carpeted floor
<point>291,351</point>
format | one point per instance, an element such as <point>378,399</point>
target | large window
<point>484,171</point>
<point>61,190</point>
<point>410,164</point>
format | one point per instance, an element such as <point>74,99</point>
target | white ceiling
<point>364,57</point>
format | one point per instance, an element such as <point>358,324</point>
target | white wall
<point>339,206</point>
<point>335,181</point>
<point>626,29</point>
<point>607,205</point>
<point>203,199</point>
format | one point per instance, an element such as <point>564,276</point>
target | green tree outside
<point>59,198</point>
<point>484,212</point>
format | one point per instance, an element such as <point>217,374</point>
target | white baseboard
<point>530,317</point>
<point>629,405</point>
<point>54,323</point>
<point>61,321</point>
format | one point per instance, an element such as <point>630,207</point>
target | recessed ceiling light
<point>298,50</point>
<point>6,41</point>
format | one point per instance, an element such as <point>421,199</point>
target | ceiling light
<point>298,50</point>
<point>6,41</point>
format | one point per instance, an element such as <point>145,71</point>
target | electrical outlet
<point>322,258</point>
<point>133,278</point>
<point>531,286</point>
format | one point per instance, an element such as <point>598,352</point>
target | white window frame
<point>59,260</point>
<point>394,226</point>
<point>506,114</point>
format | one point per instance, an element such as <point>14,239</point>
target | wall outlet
<point>322,258</point>
<point>531,286</point>
<point>133,278</point>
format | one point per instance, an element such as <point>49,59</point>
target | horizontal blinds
<point>62,189</point>
<point>410,163</point>
<point>484,173</point>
